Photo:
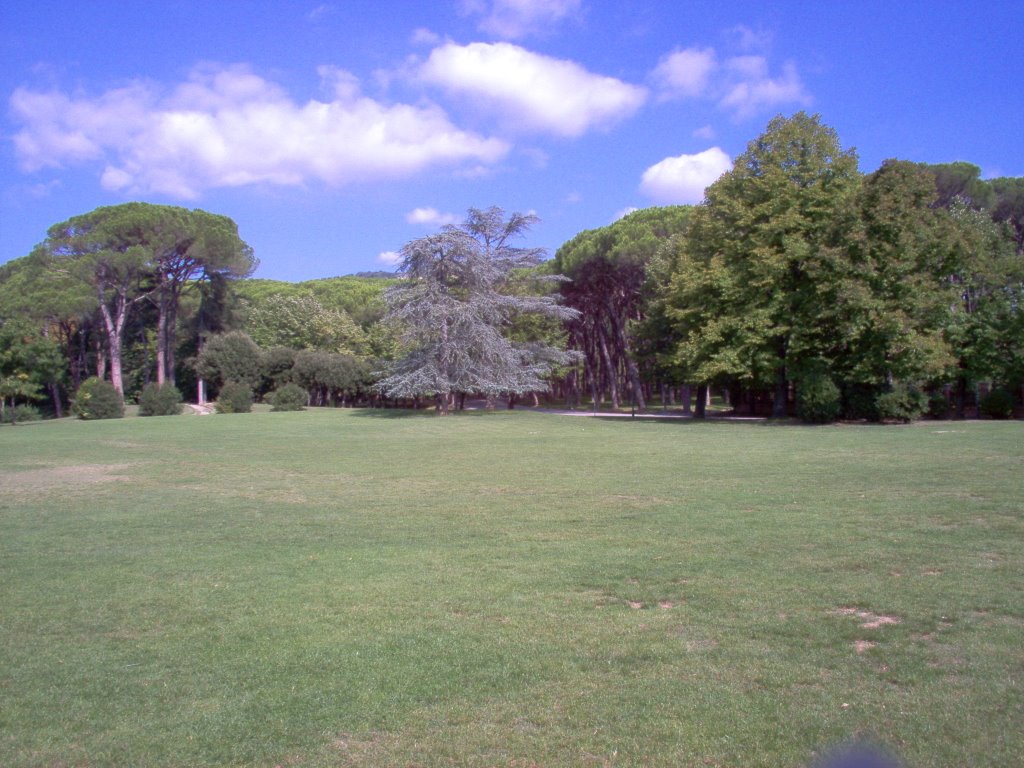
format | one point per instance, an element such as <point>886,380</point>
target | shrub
<point>902,403</point>
<point>997,404</point>
<point>817,399</point>
<point>234,397</point>
<point>160,401</point>
<point>97,399</point>
<point>20,413</point>
<point>290,397</point>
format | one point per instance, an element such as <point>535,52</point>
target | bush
<point>234,397</point>
<point>902,403</point>
<point>97,399</point>
<point>817,399</point>
<point>160,401</point>
<point>20,413</point>
<point>997,404</point>
<point>290,397</point>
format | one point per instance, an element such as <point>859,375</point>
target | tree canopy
<point>455,315</point>
<point>137,252</point>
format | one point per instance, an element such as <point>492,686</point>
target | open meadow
<point>378,588</point>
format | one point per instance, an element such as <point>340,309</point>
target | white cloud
<point>704,132</point>
<point>530,91</point>
<point>424,36</point>
<point>430,216</point>
<point>743,85</point>
<point>747,39</point>
<point>624,213</point>
<point>228,127</point>
<point>752,89</point>
<point>685,73</point>
<point>683,179</point>
<point>514,19</point>
<point>390,258</point>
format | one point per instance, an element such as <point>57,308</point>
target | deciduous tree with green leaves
<point>759,294</point>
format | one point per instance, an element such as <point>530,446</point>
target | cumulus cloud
<point>229,127</point>
<point>743,85</point>
<point>514,19</point>
<point>625,212</point>
<point>431,216</point>
<point>683,179</point>
<point>752,89</point>
<point>685,73</point>
<point>530,91</point>
<point>389,258</point>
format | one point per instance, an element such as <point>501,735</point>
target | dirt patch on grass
<point>868,619</point>
<point>863,646</point>
<point>53,479</point>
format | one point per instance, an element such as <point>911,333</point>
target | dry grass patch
<point>62,478</point>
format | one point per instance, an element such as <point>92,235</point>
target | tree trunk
<point>114,324</point>
<point>58,409</point>
<point>611,373</point>
<point>101,357</point>
<point>780,404</point>
<point>161,345</point>
<point>443,403</point>
<point>702,401</point>
<point>632,373</point>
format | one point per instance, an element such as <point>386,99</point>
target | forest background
<point>799,285</point>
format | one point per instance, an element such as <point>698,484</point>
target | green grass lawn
<point>341,588</point>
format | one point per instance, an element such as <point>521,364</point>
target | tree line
<point>799,285</point>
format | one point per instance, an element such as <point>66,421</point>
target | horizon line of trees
<point>799,278</point>
<point>798,285</point>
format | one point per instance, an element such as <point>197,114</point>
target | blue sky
<point>334,132</point>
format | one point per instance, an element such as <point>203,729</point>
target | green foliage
<point>997,404</point>
<point>903,403</point>
<point>817,399</point>
<point>361,298</point>
<point>234,397</point>
<point>156,400</point>
<point>290,397</point>
<point>761,273</point>
<point>137,252</point>
<point>232,356</point>
<point>302,322</point>
<point>29,361</point>
<point>608,285</point>
<point>97,399</point>
<point>329,376</point>
<point>276,366</point>
<point>20,413</point>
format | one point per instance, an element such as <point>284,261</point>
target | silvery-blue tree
<point>455,314</point>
